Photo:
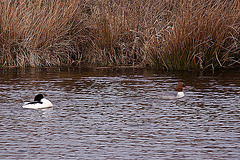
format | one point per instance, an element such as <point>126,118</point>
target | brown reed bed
<point>167,34</point>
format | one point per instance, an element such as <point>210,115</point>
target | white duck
<point>38,103</point>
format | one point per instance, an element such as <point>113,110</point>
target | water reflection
<point>114,114</point>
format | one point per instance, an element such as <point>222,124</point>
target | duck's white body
<point>38,103</point>
<point>179,95</point>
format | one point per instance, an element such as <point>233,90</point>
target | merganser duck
<point>179,90</point>
<point>38,103</point>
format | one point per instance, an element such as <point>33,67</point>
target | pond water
<point>115,114</point>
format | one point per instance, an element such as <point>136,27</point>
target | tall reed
<point>172,35</point>
<point>203,34</point>
<point>37,33</point>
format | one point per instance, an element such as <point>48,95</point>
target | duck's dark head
<point>38,97</point>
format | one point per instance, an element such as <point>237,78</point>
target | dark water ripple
<point>115,114</point>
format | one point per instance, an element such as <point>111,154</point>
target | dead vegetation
<point>172,35</point>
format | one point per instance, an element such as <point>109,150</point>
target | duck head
<point>38,97</point>
<point>180,86</point>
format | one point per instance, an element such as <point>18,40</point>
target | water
<point>115,114</point>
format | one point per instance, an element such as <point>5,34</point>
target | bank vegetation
<point>164,34</point>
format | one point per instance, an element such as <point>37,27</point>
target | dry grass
<point>37,33</point>
<point>204,34</point>
<point>172,35</point>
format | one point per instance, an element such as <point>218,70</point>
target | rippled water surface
<point>116,114</point>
